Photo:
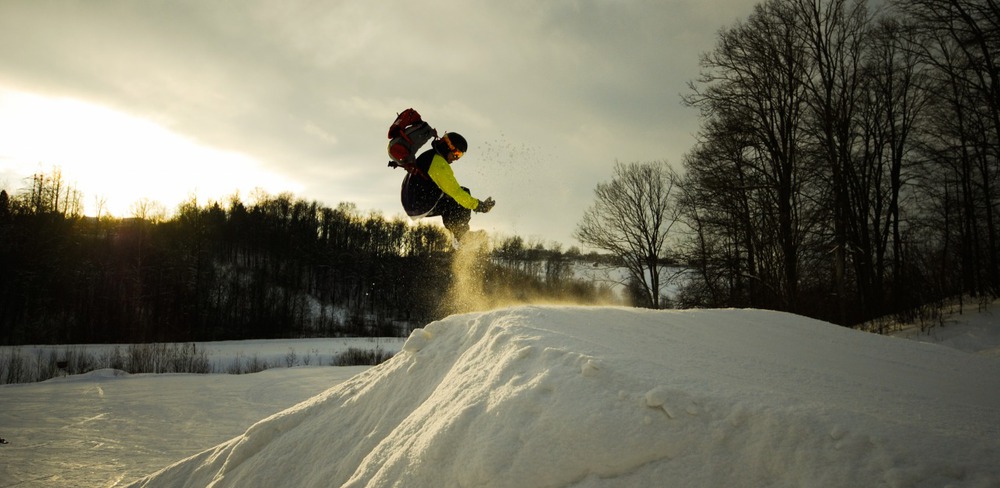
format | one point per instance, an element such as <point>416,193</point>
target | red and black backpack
<point>406,135</point>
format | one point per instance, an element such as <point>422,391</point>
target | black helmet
<point>457,140</point>
<point>453,142</point>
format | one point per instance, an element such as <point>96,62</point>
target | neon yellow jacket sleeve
<point>440,171</point>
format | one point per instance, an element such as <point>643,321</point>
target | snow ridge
<point>592,397</point>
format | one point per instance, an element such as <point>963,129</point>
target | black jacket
<point>435,180</point>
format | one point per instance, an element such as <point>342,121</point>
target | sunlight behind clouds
<point>306,90</point>
<point>118,158</point>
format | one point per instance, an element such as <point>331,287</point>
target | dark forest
<point>279,267</point>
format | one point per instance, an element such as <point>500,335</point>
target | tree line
<point>848,159</point>
<point>275,267</point>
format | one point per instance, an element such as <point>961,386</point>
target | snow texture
<point>602,397</point>
<point>108,428</point>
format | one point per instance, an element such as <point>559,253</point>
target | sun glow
<point>116,160</point>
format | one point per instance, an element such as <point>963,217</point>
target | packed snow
<point>108,428</point>
<point>572,396</point>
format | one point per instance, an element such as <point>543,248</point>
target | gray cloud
<point>549,94</point>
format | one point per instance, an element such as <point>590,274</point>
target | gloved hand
<point>485,205</point>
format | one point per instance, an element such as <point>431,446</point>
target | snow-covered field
<point>220,356</point>
<point>544,396</point>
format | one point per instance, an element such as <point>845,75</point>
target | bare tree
<point>894,100</point>
<point>833,33</point>
<point>145,209</point>
<point>960,40</point>
<point>631,218</point>
<point>52,194</point>
<point>753,85</point>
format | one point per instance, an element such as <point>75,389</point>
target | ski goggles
<point>451,147</point>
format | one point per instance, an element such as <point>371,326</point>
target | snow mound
<point>594,397</point>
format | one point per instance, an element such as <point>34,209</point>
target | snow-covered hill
<point>591,397</point>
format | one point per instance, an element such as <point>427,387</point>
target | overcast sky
<point>196,97</point>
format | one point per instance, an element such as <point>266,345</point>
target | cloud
<point>308,87</point>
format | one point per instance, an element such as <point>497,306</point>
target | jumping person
<point>433,190</point>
